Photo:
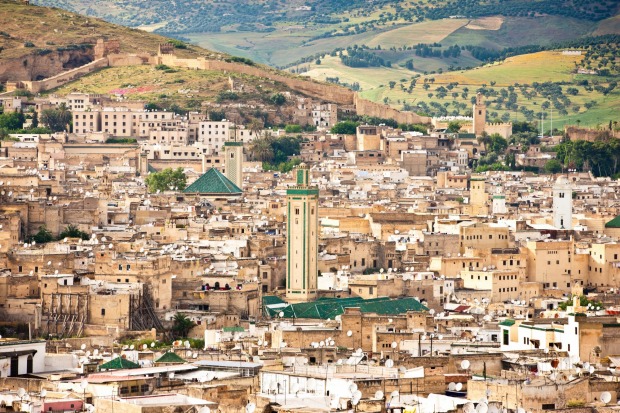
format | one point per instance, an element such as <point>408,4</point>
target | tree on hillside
<point>12,121</point>
<point>553,166</point>
<point>255,126</point>
<point>261,150</point>
<point>345,128</point>
<point>454,127</point>
<point>484,140</point>
<point>57,120</point>
<point>168,179</point>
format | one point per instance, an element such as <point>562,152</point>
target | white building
<point>19,357</point>
<point>562,204</point>
<point>552,336</point>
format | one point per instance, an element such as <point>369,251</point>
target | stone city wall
<point>60,79</point>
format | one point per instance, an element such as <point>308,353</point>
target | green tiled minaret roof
<point>170,357</point>
<point>213,182</point>
<point>119,363</point>
<point>614,223</point>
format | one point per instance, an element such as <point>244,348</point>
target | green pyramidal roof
<point>213,182</point>
<point>170,357</point>
<point>119,363</point>
<point>614,223</point>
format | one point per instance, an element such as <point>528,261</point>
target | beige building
<point>483,237</point>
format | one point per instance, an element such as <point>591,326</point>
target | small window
<point>103,311</point>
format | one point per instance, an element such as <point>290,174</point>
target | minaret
<point>562,204</point>
<point>478,198</point>
<point>480,114</point>
<point>233,163</point>
<point>302,238</point>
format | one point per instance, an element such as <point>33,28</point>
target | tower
<point>562,204</point>
<point>302,238</point>
<point>233,164</point>
<point>478,198</point>
<point>480,114</point>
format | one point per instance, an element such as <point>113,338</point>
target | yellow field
<point>368,78</point>
<point>535,67</point>
<point>486,23</point>
<point>425,32</point>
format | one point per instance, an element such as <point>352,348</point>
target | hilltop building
<point>302,238</point>
<point>478,123</point>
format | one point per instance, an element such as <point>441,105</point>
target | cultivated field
<point>526,69</point>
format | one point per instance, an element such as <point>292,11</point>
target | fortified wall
<point>575,133</point>
<point>107,54</point>
<point>326,92</point>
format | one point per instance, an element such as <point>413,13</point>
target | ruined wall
<point>575,133</point>
<point>37,86</point>
<point>34,67</point>
<point>368,108</point>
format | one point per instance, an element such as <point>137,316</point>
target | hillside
<point>520,88</point>
<point>40,42</point>
<point>280,33</point>
<point>27,30</point>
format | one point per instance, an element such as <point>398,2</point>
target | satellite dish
<point>458,386</point>
<point>21,392</point>
<point>394,344</point>
<point>132,347</point>
<point>379,395</point>
<point>469,408</point>
<point>394,394</point>
<point>43,393</point>
<point>452,386</point>
<point>431,311</point>
<point>606,397</point>
<point>465,364</point>
<point>250,408</point>
<point>389,363</point>
<point>83,346</point>
<point>349,333</point>
<point>353,388</point>
<point>204,409</point>
<point>482,408</point>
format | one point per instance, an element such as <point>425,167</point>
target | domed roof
<point>562,183</point>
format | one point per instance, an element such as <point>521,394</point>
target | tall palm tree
<point>261,150</point>
<point>484,139</point>
<point>182,325</point>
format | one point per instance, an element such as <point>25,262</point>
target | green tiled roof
<point>119,363</point>
<point>213,182</point>
<point>151,169</point>
<point>272,299</point>
<point>170,357</point>
<point>614,223</point>
<point>507,322</point>
<point>236,329</point>
<point>325,308</point>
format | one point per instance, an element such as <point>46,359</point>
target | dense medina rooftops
<point>325,308</point>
